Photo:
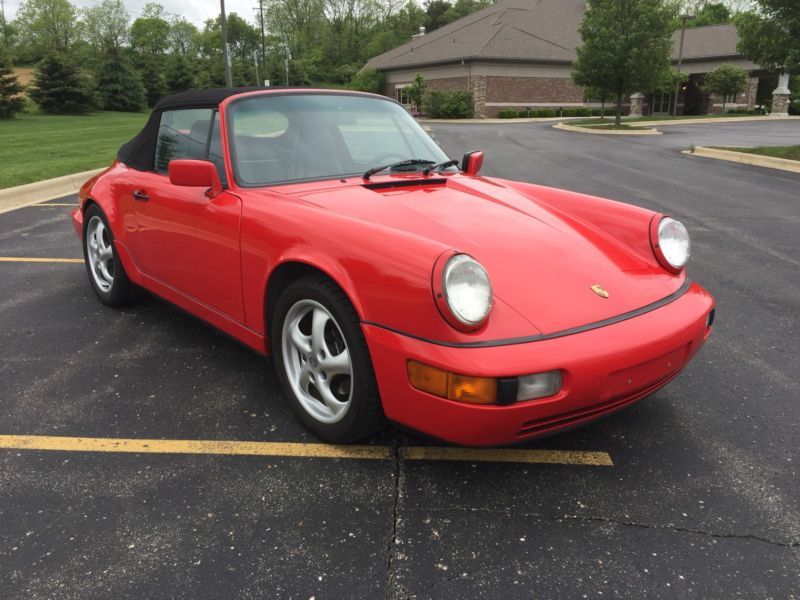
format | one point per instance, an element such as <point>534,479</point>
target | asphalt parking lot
<point>699,497</point>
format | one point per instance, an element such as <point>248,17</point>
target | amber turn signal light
<point>461,388</point>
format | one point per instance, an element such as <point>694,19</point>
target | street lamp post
<point>684,19</point>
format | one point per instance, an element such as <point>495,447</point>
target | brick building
<point>518,54</point>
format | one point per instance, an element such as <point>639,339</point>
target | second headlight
<point>467,290</point>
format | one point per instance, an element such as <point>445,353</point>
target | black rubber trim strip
<point>548,336</point>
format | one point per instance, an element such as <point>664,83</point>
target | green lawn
<point>607,125</point>
<point>35,146</point>
<point>599,121</point>
<point>787,152</point>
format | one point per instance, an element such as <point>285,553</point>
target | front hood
<point>540,264</point>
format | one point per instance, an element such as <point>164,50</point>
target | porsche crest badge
<point>600,290</point>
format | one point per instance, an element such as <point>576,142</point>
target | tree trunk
<point>618,118</point>
<point>603,109</point>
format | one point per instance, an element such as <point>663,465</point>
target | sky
<point>196,11</point>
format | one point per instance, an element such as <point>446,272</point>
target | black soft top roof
<point>139,153</point>
<point>202,98</point>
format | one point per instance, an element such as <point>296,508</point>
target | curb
<point>781,164</point>
<point>637,131</point>
<point>494,121</point>
<point>42,191</point>
<point>711,121</point>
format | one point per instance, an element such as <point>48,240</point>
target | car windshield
<point>280,138</point>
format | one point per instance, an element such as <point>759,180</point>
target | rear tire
<point>323,362</point>
<point>106,274</point>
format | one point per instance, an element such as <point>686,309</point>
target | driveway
<point>700,499</point>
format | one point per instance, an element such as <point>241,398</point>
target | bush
<point>583,112</point>
<point>504,114</point>
<point>367,80</point>
<point>547,113</point>
<point>60,88</point>
<point>599,112</point>
<point>569,112</point>
<point>455,104</point>
<point>11,101</point>
<point>794,108</point>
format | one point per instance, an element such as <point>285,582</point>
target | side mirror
<point>195,173</point>
<point>472,162</point>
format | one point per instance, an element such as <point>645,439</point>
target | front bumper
<point>604,370</point>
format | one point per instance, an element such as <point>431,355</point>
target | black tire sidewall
<point>357,422</point>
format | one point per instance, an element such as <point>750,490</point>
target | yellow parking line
<point>301,450</point>
<point>510,455</point>
<point>25,259</point>
<point>76,444</point>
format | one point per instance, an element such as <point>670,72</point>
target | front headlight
<point>467,290</point>
<point>673,246</point>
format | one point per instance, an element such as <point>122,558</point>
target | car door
<point>189,241</point>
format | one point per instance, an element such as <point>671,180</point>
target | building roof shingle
<point>543,31</point>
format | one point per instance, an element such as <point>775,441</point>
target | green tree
<point>47,26</point>
<point>152,74</point>
<point>106,25</point>
<point>771,35</point>
<point>180,76</point>
<point>415,91</point>
<point>712,13</point>
<point>463,8</point>
<point>627,46</point>
<point>367,80</point>
<point>435,11</point>
<point>726,80</point>
<point>60,87</point>
<point>11,101</point>
<point>182,35</point>
<point>150,32</point>
<point>119,85</point>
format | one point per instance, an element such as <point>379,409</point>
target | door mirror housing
<point>472,163</point>
<point>195,173</point>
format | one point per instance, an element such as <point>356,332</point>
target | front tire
<point>106,274</point>
<point>323,362</point>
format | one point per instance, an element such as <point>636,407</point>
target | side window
<point>182,134</point>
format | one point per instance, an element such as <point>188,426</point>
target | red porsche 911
<point>387,281</point>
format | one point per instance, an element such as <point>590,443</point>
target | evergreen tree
<point>627,46</point>
<point>60,88</point>
<point>119,86</point>
<point>10,89</point>
<point>180,76</point>
<point>155,85</point>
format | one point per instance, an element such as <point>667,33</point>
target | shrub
<point>367,80</point>
<point>455,104</point>
<point>794,108</point>
<point>583,112</point>
<point>547,113</point>
<point>11,102</point>
<point>569,112</point>
<point>507,114</point>
<point>60,88</point>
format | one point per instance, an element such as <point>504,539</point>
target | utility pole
<point>226,55</point>
<point>684,18</point>
<point>263,39</point>
<point>255,62</point>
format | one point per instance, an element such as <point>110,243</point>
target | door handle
<point>140,196</point>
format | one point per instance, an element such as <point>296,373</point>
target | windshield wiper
<point>437,166</point>
<point>403,163</point>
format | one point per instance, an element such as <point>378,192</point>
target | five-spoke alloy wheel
<point>106,273</point>
<point>323,362</point>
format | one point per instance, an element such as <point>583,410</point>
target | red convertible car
<point>388,282</point>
